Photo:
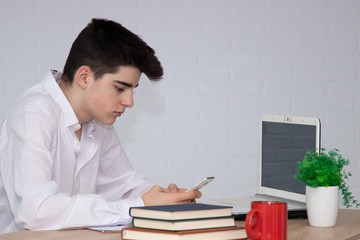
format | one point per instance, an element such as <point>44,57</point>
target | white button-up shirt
<point>51,180</point>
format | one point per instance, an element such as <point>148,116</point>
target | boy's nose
<point>128,100</point>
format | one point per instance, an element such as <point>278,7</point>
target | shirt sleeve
<point>33,194</point>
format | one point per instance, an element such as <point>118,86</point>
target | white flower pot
<point>322,204</point>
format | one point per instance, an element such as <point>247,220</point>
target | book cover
<point>181,225</point>
<point>205,234</point>
<point>181,211</point>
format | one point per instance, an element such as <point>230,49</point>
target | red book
<point>207,234</point>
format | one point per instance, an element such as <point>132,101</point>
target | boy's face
<point>108,96</point>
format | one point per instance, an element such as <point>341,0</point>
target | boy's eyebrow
<point>126,84</point>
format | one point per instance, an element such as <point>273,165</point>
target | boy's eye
<point>119,89</point>
<point>123,89</point>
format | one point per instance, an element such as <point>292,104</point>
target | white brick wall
<point>226,62</point>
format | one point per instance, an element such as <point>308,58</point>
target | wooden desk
<point>347,227</point>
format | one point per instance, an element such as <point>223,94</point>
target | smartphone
<point>201,184</point>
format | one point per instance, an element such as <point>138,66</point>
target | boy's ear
<point>82,76</point>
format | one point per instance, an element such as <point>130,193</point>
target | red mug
<point>267,221</point>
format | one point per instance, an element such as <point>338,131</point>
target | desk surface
<point>347,227</point>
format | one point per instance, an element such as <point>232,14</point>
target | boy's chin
<point>108,121</point>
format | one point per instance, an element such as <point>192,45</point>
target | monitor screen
<point>283,144</point>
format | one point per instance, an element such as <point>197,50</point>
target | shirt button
<point>77,127</point>
<point>77,141</point>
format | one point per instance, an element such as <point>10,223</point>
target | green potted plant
<point>324,175</point>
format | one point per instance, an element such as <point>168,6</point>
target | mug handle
<point>248,226</point>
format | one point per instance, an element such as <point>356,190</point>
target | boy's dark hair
<point>104,46</point>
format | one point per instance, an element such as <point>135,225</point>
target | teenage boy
<point>61,162</point>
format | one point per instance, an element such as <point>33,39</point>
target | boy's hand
<point>172,195</point>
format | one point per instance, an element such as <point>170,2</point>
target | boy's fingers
<point>173,188</point>
<point>187,196</point>
<point>199,194</point>
<point>160,189</point>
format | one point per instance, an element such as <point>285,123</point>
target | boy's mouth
<point>118,114</point>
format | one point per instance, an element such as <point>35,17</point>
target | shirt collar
<point>51,84</point>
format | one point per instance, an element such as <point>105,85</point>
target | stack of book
<point>183,221</point>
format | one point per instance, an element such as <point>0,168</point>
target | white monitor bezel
<point>290,120</point>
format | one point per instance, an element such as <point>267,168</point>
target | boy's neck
<point>68,91</point>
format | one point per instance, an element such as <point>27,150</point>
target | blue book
<point>181,211</point>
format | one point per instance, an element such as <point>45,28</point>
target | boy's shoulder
<point>36,100</point>
<point>37,97</point>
